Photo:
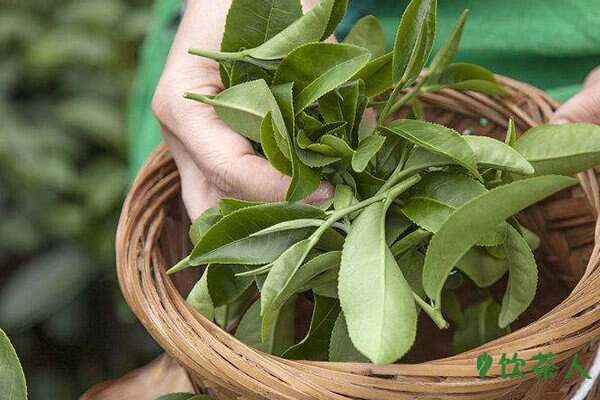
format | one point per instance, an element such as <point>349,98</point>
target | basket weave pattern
<point>152,235</point>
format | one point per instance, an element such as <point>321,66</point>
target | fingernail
<point>322,194</point>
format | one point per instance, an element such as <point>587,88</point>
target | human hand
<point>213,160</point>
<point>585,105</point>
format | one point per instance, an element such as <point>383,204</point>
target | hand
<point>212,159</point>
<point>585,105</point>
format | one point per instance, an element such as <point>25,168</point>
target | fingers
<point>583,107</point>
<point>196,191</point>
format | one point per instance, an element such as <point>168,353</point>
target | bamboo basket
<point>564,319</point>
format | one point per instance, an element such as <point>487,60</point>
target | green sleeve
<point>144,131</point>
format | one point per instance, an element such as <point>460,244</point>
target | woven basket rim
<point>218,357</point>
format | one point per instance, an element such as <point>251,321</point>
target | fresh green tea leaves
<point>199,297</point>
<point>483,269</point>
<point>377,75</point>
<point>242,107</point>
<point>414,40</point>
<point>270,147</point>
<point>315,345</point>
<point>278,339</point>
<point>368,33</point>
<point>471,221</point>
<point>12,379</point>
<point>341,348</point>
<point>495,154</point>
<point>246,221</point>
<point>318,68</point>
<point>367,149</point>
<point>561,149</point>
<point>464,76</point>
<point>437,139</point>
<point>377,301</point>
<point>446,53</point>
<point>522,278</point>
<point>203,223</point>
<point>480,326</point>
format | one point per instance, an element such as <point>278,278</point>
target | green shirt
<point>551,44</point>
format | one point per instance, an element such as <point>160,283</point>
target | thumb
<point>583,107</point>
<point>251,177</point>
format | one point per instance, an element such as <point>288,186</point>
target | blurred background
<point>65,72</point>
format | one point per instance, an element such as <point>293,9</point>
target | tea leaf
<point>437,139</point>
<point>242,107</point>
<point>522,278</point>
<point>223,286</point>
<point>203,223</point>
<point>253,250</point>
<point>377,75</point>
<point>344,197</point>
<point>246,221</point>
<point>290,225</point>
<point>367,149</point>
<point>451,308</point>
<point>251,23</point>
<point>377,301</point>
<point>480,326</point>
<point>368,33</point>
<point>318,68</point>
<point>448,49</point>
<point>304,179</point>
<point>482,268</point>
<point>468,223</point>
<point>271,149</point>
<point>464,76</point>
<point>561,149</point>
<point>199,297</point>
<point>414,40</point>
<point>278,339</point>
<point>390,155</point>
<point>311,27</point>
<point>451,188</point>
<point>339,145</point>
<point>395,224</point>
<point>12,379</point>
<point>288,276</point>
<point>315,345</point>
<point>411,265</point>
<point>493,153</point>
<point>341,348</point>
<point>227,205</point>
<point>410,241</point>
<point>337,14</point>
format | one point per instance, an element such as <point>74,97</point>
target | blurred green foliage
<point>65,71</point>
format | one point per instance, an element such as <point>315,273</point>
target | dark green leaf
<point>288,276</point>
<point>414,40</point>
<point>411,265</point>
<point>446,53</point>
<point>318,68</point>
<point>203,223</point>
<point>368,33</point>
<point>410,241</point>
<point>269,145</point>
<point>281,335</point>
<point>395,224</point>
<point>199,297</point>
<point>315,345</point>
<point>561,149</point>
<point>480,326</point>
<point>223,286</point>
<point>246,221</point>
<point>227,205</point>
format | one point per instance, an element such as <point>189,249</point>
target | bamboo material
<point>564,319</point>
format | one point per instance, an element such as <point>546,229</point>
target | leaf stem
<point>216,55</point>
<point>435,314</point>
<point>408,96</point>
